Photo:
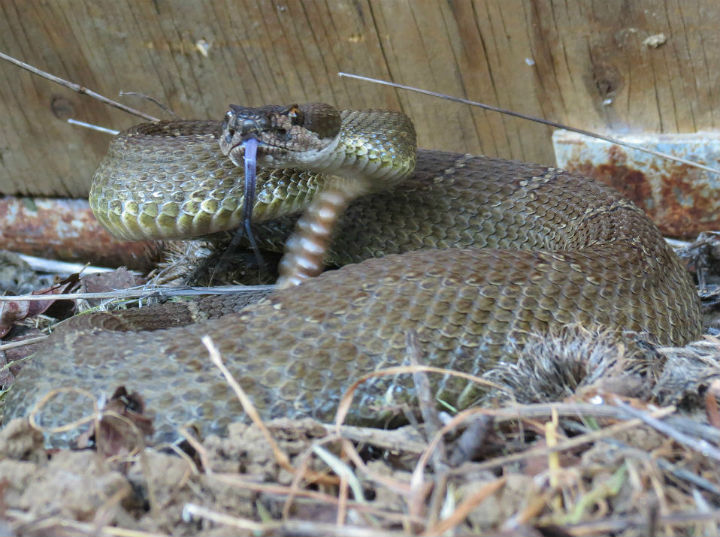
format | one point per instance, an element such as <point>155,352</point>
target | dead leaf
<point>123,426</point>
<point>14,311</point>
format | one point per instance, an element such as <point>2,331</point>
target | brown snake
<point>496,250</point>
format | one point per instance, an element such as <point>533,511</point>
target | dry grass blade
<point>146,292</point>
<point>92,127</point>
<point>247,404</point>
<point>701,446</point>
<point>535,452</point>
<point>95,416</point>
<point>289,527</point>
<point>534,119</point>
<point>463,510</point>
<point>198,447</point>
<point>77,88</point>
<point>341,469</point>
<point>249,408</point>
<point>192,511</point>
<point>346,399</point>
<point>23,343</point>
<point>33,526</point>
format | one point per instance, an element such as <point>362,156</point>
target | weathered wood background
<point>610,65</point>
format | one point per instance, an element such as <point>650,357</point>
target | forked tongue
<point>250,158</point>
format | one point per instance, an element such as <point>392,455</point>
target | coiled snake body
<point>492,250</point>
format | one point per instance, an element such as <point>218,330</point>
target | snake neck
<point>374,150</point>
<point>377,147</point>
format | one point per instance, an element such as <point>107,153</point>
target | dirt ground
<point>644,462</point>
<point>614,470</point>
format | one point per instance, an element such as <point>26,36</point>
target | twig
<point>248,406</point>
<point>92,127</point>
<point>153,100</point>
<point>42,264</point>
<point>532,118</point>
<point>465,508</point>
<point>23,343</point>
<point>31,522</point>
<point>146,293</point>
<point>288,527</point>
<point>701,446</point>
<point>538,451</point>
<point>77,87</point>
<point>280,456</point>
<point>191,511</point>
<point>609,525</point>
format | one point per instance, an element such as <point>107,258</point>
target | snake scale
<point>471,253</point>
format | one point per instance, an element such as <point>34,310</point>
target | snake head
<point>287,135</point>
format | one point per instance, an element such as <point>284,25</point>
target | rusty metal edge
<point>680,199</point>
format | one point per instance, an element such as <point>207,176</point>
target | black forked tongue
<point>250,146</point>
<point>250,158</point>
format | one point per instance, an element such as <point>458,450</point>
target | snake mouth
<point>268,153</point>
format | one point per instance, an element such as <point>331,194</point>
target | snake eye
<point>295,115</point>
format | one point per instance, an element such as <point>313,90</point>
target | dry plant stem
<point>153,100</point>
<point>534,411</point>
<point>400,487</point>
<point>92,127</point>
<point>198,447</point>
<point>62,267</point>
<point>341,469</point>
<point>106,512</point>
<point>466,507</point>
<point>392,439</point>
<point>281,458</point>
<point>192,467</point>
<point>288,527</point>
<point>535,452</point>
<point>578,410</point>
<point>307,495</point>
<point>346,399</point>
<point>663,464</point>
<point>81,528</point>
<point>295,490</point>
<point>145,292</point>
<point>342,500</point>
<point>68,426</point>
<point>191,510</point>
<point>437,499</point>
<point>426,401</point>
<point>23,343</point>
<point>604,527</point>
<point>77,88</point>
<point>701,446</point>
<point>247,404</point>
<point>526,117</point>
<point>422,387</point>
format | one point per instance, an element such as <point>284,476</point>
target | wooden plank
<point>600,64</point>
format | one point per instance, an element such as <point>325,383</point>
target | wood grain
<point>584,62</point>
